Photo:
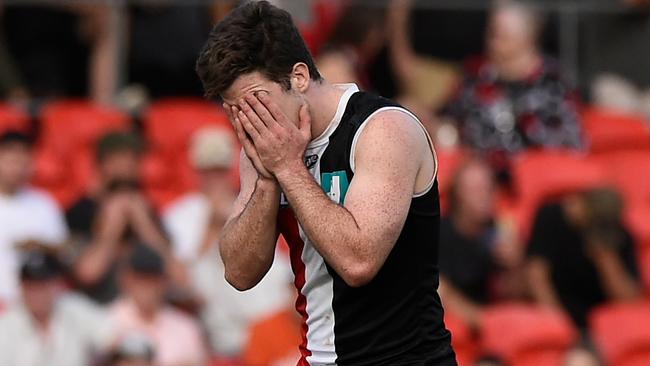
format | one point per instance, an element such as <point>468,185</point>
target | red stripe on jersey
<point>288,225</point>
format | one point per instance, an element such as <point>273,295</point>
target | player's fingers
<point>248,126</point>
<point>252,118</point>
<point>231,112</point>
<point>239,130</point>
<point>267,118</point>
<point>249,148</point>
<point>272,107</point>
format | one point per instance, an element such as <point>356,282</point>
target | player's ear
<point>300,77</point>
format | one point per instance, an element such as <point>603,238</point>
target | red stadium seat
<point>540,175</point>
<point>629,171</point>
<point>169,124</point>
<point>622,333</point>
<point>449,160</point>
<point>160,180</point>
<point>525,335</point>
<point>462,339</point>
<point>70,130</point>
<point>71,124</point>
<point>12,118</point>
<point>53,174</point>
<point>609,130</point>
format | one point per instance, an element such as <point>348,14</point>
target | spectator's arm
<point>148,230</point>
<point>97,258</point>
<point>540,284</point>
<point>98,26</point>
<point>618,284</point>
<point>459,304</point>
<point>402,56</point>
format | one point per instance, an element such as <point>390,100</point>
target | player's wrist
<point>289,169</point>
<point>267,184</point>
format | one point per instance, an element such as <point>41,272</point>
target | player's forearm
<point>331,227</point>
<point>247,242</point>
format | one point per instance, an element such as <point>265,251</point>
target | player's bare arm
<point>356,238</point>
<point>247,243</point>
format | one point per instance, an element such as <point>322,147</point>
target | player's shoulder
<point>394,125</point>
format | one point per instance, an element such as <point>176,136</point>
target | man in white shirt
<point>176,337</point>
<point>26,214</point>
<point>193,223</point>
<point>50,327</point>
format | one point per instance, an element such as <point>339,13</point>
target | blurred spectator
<point>12,87</point>
<point>176,338</point>
<point>50,327</point>
<point>165,39</point>
<point>26,214</point>
<point>63,39</point>
<point>474,250</point>
<point>106,223</point>
<point>194,222</point>
<point>356,40</point>
<point>581,255</point>
<point>516,97</point>
<point>425,83</point>
<point>274,340</point>
<point>132,351</point>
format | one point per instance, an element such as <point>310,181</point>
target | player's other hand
<point>247,143</point>
<point>280,141</point>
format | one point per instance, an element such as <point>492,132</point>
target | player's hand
<point>280,142</point>
<point>246,142</point>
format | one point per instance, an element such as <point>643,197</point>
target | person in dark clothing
<point>107,223</point>
<point>580,255</point>
<point>474,250</point>
<point>516,97</point>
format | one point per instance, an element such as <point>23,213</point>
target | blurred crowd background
<point>116,177</point>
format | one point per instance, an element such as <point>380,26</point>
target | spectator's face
<point>476,192</point>
<point>39,296</point>
<point>122,166</point>
<point>15,165</point>
<point>509,35</point>
<point>147,291</point>
<point>289,101</point>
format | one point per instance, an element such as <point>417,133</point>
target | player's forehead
<point>247,84</point>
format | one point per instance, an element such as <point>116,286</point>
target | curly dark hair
<point>256,36</point>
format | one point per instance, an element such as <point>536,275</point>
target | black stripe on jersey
<point>397,318</point>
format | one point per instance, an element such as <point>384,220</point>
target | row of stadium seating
<point>524,335</point>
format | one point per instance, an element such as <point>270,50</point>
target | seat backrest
<point>462,339</point>
<point>521,331</point>
<point>169,124</point>
<point>71,124</point>
<point>621,331</point>
<point>609,130</point>
<point>12,118</point>
<point>539,175</point>
<point>629,171</point>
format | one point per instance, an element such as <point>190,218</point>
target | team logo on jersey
<point>335,185</point>
<point>311,160</point>
<point>283,200</point>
